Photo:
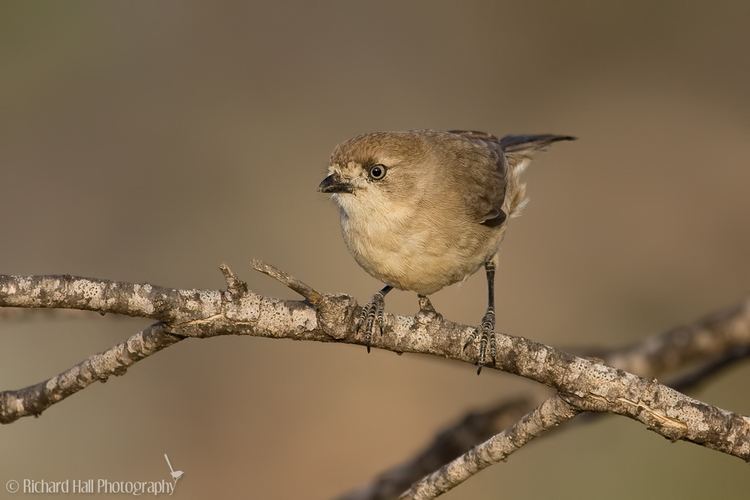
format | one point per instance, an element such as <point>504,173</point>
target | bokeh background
<point>151,141</point>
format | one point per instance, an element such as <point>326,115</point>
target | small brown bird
<point>423,209</point>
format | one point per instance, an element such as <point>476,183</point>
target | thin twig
<point>551,413</point>
<point>473,428</point>
<point>33,400</point>
<point>313,296</point>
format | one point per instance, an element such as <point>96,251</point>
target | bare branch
<point>33,400</point>
<point>700,374</point>
<point>313,296</point>
<point>452,474</point>
<point>551,413</point>
<point>477,426</point>
<point>453,441</point>
<point>710,336</point>
<point>585,384</point>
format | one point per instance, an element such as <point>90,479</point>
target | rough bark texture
<point>551,413</point>
<point>583,383</point>
<point>36,398</point>
<point>474,428</point>
<point>478,426</point>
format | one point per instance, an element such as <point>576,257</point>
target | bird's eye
<point>377,172</point>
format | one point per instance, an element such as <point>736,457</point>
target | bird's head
<point>376,171</point>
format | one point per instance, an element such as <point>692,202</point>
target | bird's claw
<point>486,334</point>
<point>372,316</point>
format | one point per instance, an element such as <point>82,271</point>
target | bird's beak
<point>334,184</point>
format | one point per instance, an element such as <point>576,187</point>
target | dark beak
<point>334,184</point>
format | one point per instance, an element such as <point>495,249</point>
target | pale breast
<point>413,253</point>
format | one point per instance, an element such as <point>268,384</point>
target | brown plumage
<point>423,209</point>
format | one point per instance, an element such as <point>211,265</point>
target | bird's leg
<point>373,314</point>
<point>486,330</point>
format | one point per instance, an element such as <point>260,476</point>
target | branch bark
<point>583,384</point>
<point>472,429</point>
<point>480,425</point>
<point>34,399</point>
<point>551,413</point>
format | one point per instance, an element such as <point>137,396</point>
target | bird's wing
<point>486,174</point>
<point>497,174</point>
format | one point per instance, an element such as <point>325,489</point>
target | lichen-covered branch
<point>585,384</point>
<point>551,413</point>
<point>475,427</point>
<point>34,399</point>
<point>479,425</point>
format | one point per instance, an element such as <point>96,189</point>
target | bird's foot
<point>486,334</point>
<point>426,309</point>
<point>371,317</point>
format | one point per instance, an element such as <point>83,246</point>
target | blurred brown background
<point>150,141</point>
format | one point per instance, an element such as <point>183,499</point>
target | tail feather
<point>518,151</point>
<point>530,143</point>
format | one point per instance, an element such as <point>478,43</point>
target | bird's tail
<point>518,151</point>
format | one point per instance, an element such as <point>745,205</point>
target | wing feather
<point>499,175</point>
<point>487,176</point>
